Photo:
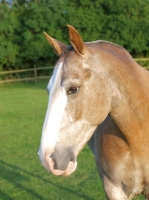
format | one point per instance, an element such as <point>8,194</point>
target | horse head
<point>79,100</point>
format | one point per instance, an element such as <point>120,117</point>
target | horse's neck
<point>130,102</point>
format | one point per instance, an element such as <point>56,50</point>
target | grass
<point>22,112</point>
<point>22,177</point>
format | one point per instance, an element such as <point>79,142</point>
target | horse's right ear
<point>76,40</point>
<point>59,47</point>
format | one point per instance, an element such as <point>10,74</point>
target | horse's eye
<point>73,90</point>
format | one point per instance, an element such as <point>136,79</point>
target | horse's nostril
<point>72,158</point>
<point>52,155</point>
<point>62,158</point>
<point>55,163</point>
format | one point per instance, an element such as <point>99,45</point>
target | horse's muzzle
<point>60,162</point>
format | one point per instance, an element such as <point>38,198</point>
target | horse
<point>99,95</point>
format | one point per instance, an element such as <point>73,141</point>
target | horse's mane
<point>104,43</point>
<point>114,49</point>
<point>108,46</point>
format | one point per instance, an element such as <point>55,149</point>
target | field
<point>22,177</point>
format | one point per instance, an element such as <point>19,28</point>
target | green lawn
<point>22,177</point>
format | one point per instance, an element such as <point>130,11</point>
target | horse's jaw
<point>61,159</point>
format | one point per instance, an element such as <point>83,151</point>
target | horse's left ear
<point>58,46</point>
<point>76,40</point>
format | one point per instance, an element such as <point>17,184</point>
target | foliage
<point>23,22</point>
<point>8,48</point>
<point>127,24</point>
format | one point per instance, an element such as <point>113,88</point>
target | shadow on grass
<point>14,175</point>
<point>4,196</point>
<point>9,173</point>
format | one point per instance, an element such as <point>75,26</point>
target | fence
<point>34,78</point>
<point>35,70</point>
<point>141,61</point>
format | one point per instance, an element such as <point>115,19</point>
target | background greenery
<point>22,22</point>
<point>22,177</point>
<point>23,106</point>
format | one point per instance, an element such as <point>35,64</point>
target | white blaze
<point>55,110</point>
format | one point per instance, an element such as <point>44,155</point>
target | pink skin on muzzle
<point>50,162</point>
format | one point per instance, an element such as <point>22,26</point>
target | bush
<point>23,22</point>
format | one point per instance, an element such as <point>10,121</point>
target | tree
<point>23,22</point>
<point>126,23</point>
<point>8,48</point>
